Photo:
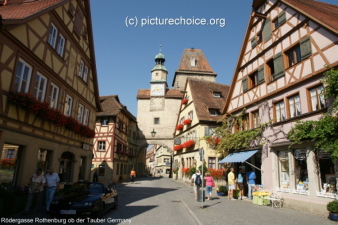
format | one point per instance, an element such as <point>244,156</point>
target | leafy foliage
<point>324,131</point>
<point>332,207</point>
<point>331,89</point>
<point>230,140</point>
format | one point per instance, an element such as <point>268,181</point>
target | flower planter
<point>179,127</point>
<point>333,216</point>
<point>185,101</point>
<point>187,121</point>
<point>220,193</point>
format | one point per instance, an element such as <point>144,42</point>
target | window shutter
<point>206,131</point>
<point>278,65</point>
<point>254,42</point>
<point>245,84</point>
<point>305,47</point>
<point>267,30</point>
<point>281,18</point>
<point>261,74</point>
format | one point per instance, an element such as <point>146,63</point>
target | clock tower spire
<point>158,83</point>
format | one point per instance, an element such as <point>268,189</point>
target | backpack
<point>198,180</point>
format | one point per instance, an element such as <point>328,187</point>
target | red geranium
<point>187,121</point>
<point>179,127</point>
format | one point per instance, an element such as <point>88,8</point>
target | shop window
<point>9,157</point>
<point>327,172</point>
<point>317,98</point>
<point>301,173</point>
<point>102,170</point>
<point>284,170</point>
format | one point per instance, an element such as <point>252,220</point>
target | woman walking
<point>209,183</point>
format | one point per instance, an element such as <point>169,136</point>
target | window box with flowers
<point>189,144</point>
<point>179,127</point>
<point>178,147</point>
<point>186,171</point>
<point>45,112</point>
<point>187,121</point>
<point>184,101</point>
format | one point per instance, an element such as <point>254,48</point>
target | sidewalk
<point>220,210</point>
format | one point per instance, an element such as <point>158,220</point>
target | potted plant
<point>332,207</point>
<point>222,190</point>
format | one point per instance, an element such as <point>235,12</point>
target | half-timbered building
<point>286,49</point>
<point>200,110</point>
<point>116,143</point>
<point>48,88</point>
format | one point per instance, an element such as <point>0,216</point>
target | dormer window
<point>217,95</point>
<point>213,112</point>
<point>192,61</point>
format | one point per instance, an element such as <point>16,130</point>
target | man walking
<point>52,180</point>
<point>231,184</point>
<point>251,176</point>
<point>196,180</point>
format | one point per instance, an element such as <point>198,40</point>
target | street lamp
<point>153,133</point>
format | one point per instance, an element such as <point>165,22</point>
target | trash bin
<point>201,195</point>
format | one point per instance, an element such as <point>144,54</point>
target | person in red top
<point>208,184</point>
<point>132,175</point>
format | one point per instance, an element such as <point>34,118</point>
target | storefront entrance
<point>66,166</point>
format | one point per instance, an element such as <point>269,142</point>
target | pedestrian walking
<point>52,180</point>
<point>95,177</point>
<point>132,175</point>
<point>231,182</point>
<point>240,185</point>
<point>209,183</point>
<point>251,177</point>
<point>35,191</point>
<point>196,181</point>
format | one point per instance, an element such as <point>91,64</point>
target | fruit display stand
<point>258,197</point>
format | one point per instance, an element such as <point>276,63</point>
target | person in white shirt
<point>52,182</point>
<point>35,190</point>
<point>193,182</point>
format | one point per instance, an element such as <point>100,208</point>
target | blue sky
<point>125,52</point>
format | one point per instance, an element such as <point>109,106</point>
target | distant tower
<point>193,64</point>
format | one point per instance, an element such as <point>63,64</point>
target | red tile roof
<point>203,98</point>
<point>21,9</point>
<point>320,11</point>
<point>111,106</point>
<point>202,64</point>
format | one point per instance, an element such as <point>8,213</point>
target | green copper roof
<point>159,67</point>
<point>159,56</point>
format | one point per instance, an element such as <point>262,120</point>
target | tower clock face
<point>157,90</point>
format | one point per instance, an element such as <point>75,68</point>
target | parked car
<point>84,199</point>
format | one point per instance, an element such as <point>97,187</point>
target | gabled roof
<point>324,13</point>
<point>320,12</point>
<point>19,12</point>
<point>171,93</point>
<point>21,9</point>
<point>202,94</point>
<point>111,106</point>
<point>201,67</point>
